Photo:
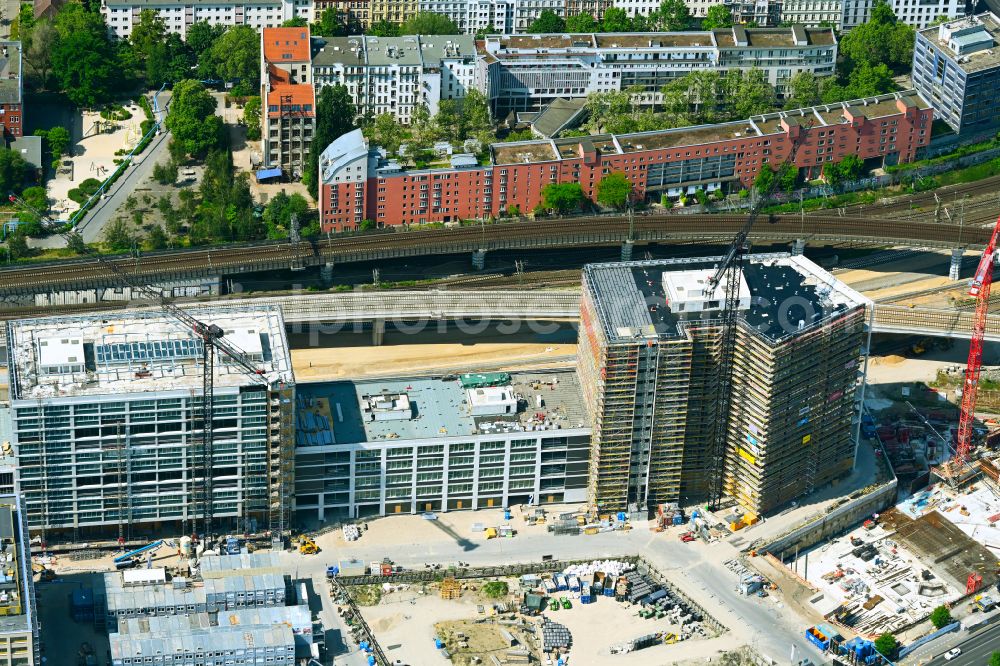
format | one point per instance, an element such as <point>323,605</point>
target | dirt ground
<point>466,639</point>
<point>365,361</point>
<point>94,155</point>
<point>410,621</point>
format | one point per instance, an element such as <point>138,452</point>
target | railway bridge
<point>235,260</point>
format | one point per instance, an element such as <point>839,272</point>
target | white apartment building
<point>762,13</point>
<point>179,15</point>
<point>106,422</point>
<point>396,74</point>
<point>813,12</point>
<point>527,72</point>
<point>472,16</point>
<point>918,13</point>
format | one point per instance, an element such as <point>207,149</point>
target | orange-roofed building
<point>289,115</point>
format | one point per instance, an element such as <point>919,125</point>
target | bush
<point>78,195</point>
<point>165,174</point>
<point>90,186</point>
<point>495,589</point>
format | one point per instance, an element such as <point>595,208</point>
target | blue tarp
<point>264,174</point>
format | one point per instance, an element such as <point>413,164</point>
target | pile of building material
<point>351,532</point>
<point>555,636</point>
<point>610,569</point>
<point>450,588</point>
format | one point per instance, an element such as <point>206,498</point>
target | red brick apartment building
<point>359,183</point>
<point>11,92</point>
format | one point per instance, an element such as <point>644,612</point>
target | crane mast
<point>213,340</point>
<point>980,287</point>
<point>729,274</point>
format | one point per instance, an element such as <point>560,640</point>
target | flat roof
<point>653,40</point>
<point>784,289</point>
<point>971,62</point>
<point>10,72</point>
<point>328,51</point>
<point>16,611</point>
<point>439,408</point>
<point>200,641</point>
<point>144,352</point>
<point>399,51</point>
<point>522,152</point>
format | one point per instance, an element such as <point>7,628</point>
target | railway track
<point>542,234</point>
<point>949,195</point>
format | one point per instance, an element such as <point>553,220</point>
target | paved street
<point>93,224</point>
<point>977,647</point>
<point>691,567</point>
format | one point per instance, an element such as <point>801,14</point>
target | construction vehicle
<point>307,546</point>
<point>565,602</point>
<point>687,537</point>
<point>43,572</point>
<point>553,604</point>
<point>213,341</point>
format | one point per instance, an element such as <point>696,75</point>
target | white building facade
<point>179,15</point>
<point>397,74</point>
<point>527,72</point>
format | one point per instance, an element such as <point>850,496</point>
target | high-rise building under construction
<point>650,369</point>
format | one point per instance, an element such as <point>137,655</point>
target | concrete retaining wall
<point>836,521</point>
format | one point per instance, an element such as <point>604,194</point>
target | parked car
<point>952,653</point>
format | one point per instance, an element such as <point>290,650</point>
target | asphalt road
<point>696,568</point>
<point>976,650</point>
<point>92,226</point>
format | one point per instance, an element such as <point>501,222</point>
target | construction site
<point>597,612</point>
<point>689,405</point>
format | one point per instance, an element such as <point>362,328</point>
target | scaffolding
<point>652,375</point>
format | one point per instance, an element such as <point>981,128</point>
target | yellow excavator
<point>43,572</point>
<point>307,546</point>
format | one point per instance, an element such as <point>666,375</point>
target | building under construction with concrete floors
<point>107,423</point>
<point>649,364</point>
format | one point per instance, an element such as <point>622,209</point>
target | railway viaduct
<point>479,239</point>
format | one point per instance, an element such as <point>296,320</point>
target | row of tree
<point>670,16</point>
<point>75,54</point>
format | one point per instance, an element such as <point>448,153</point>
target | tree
<point>764,182</point>
<point>488,30</point>
<point>235,56</point>
<point>165,173</point>
<point>847,169</point>
<point>583,22</point>
<point>448,120</point>
<point>748,92</point>
<point>562,198</point>
<point>673,15</point>
<point>429,23</point>
<point>803,90</point>
<point>57,139</point>
<point>38,51</point>
<point>279,210</point>
<point>995,659</point>
<point>616,20</point>
<point>118,236</point>
<point>17,246</point>
<point>941,617</point>
<point>13,170</point>
<point>881,40</point>
<point>201,36</point>
<point>159,55</point>
<point>942,18</point>
<point>157,238</point>
<point>192,119</point>
<point>383,28</point>
<point>84,62</point>
<point>886,644</point>
<point>717,16</point>
<point>295,22</point>
<point>335,114</point>
<point>867,80</point>
<point>251,116</point>
<point>614,190</point>
<point>36,197</point>
<point>475,121</point>
<point>547,21</point>
<point>332,23</point>
<point>788,176</point>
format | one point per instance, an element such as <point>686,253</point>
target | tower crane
<point>729,274</point>
<point>213,341</point>
<point>980,286</point>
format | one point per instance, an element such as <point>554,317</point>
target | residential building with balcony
<point>396,74</point>
<point>179,15</point>
<point>358,183</point>
<point>956,67</point>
